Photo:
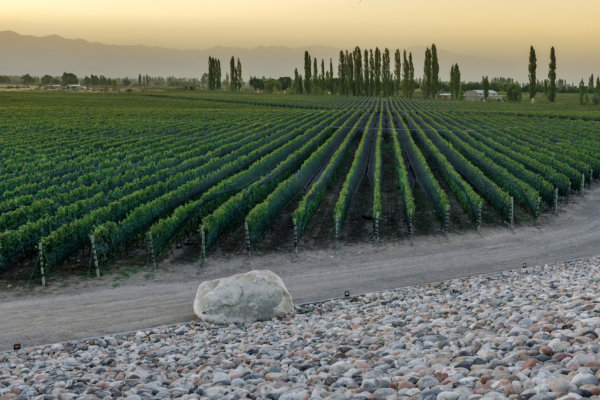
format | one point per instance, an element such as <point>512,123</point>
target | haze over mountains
<point>22,54</point>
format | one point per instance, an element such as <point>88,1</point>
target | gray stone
<point>584,379</point>
<point>427,381</point>
<point>244,298</point>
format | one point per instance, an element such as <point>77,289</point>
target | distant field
<point>152,170</point>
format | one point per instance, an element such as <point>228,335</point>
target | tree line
<point>366,72</point>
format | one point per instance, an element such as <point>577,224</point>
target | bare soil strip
<point>66,311</point>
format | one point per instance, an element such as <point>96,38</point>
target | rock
<point>244,298</point>
<point>427,382</point>
<point>221,378</point>
<point>546,350</point>
<point>584,379</point>
<point>447,396</point>
<point>530,363</point>
<point>371,385</point>
<point>294,394</point>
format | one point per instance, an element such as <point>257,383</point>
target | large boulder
<point>244,298</point>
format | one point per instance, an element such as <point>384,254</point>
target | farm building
<point>445,96</point>
<point>477,95</point>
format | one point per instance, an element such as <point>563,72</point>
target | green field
<point>149,170</point>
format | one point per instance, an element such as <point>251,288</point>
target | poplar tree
<point>405,74</point>
<point>377,71</point>
<point>140,79</point>
<point>297,82</point>
<point>397,71</point>
<point>342,73</point>
<point>232,77</point>
<point>238,75</point>
<point>385,73</point>
<point>330,86</point>
<point>366,83</point>
<point>532,68</point>
<point>411,76</point>
<point>486,86</point>
<point>358,75</point>
<point>307,72</point>
<point>582,91</point>
<point>435,71</point>
<point>552,76</point>
<point>596,97</point>
<point>322,80</point>
<point>371,73</point>
<point>591,84</point>
<point>349,73</point>
<point>315,77</point>
<point>426,85</point>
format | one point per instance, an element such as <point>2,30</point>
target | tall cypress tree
<point>426,85</point>
<point>349,74</point>
<point>232,76</point>
<point>358,75</point>
<point>435,71</point>
<point>581,91</point>
<point>307,72</point>
<point>486,86</point>
<point>330,84</point>
<point>315,77</point>
<point>371,73</point>
<point>452,80</point>
<point>397,71</point>
<point>238,75</point>
<point>377,71</point>
<point>218,74</point>
<point>366,85</point>
<point>385,73</point>
<point>342,73</point>
<point>411,76</point>
<point>322,80</point>
<point>405,74</point>
<point>532,68</point>
<point>297,82</point>
<point>552,76</point>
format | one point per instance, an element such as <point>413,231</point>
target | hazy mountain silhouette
<point>53,55</point>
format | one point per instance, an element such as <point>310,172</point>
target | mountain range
<point>23,54</point>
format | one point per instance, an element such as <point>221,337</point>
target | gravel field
<point>530,333</point>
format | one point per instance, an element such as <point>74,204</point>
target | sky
<point>492,28</point>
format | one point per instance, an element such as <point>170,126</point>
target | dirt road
<point>95,307</point>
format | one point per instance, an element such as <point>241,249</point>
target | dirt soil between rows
<point>137,298</point>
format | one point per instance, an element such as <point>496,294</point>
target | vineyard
<point>92,176</point>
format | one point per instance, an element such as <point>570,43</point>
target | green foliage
<point>513,92</point>
<point>532,68</point>
<point>552,76</point>
<point>403,183</point>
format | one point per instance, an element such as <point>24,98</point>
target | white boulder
<point>244,298</point>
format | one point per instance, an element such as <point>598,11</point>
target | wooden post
<point>247,234</point>
<point>337,230</point>
<point>295,235</point>
<point>478,218</point>
<point>95,256</point>
<point>512,212</point>
<point>538,210</point>
<point>151,248</point>
<point>447,219</point>
<point>203,243</point>
<point>410,231</point>
<point>591,177</point>
<point>41,256</point>
<point>376,228</point>
<point>582,183</point>
<point>555,200</point>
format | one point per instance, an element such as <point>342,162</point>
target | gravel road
<point>97,308</point>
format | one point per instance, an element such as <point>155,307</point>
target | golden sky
<point>489,26</point>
